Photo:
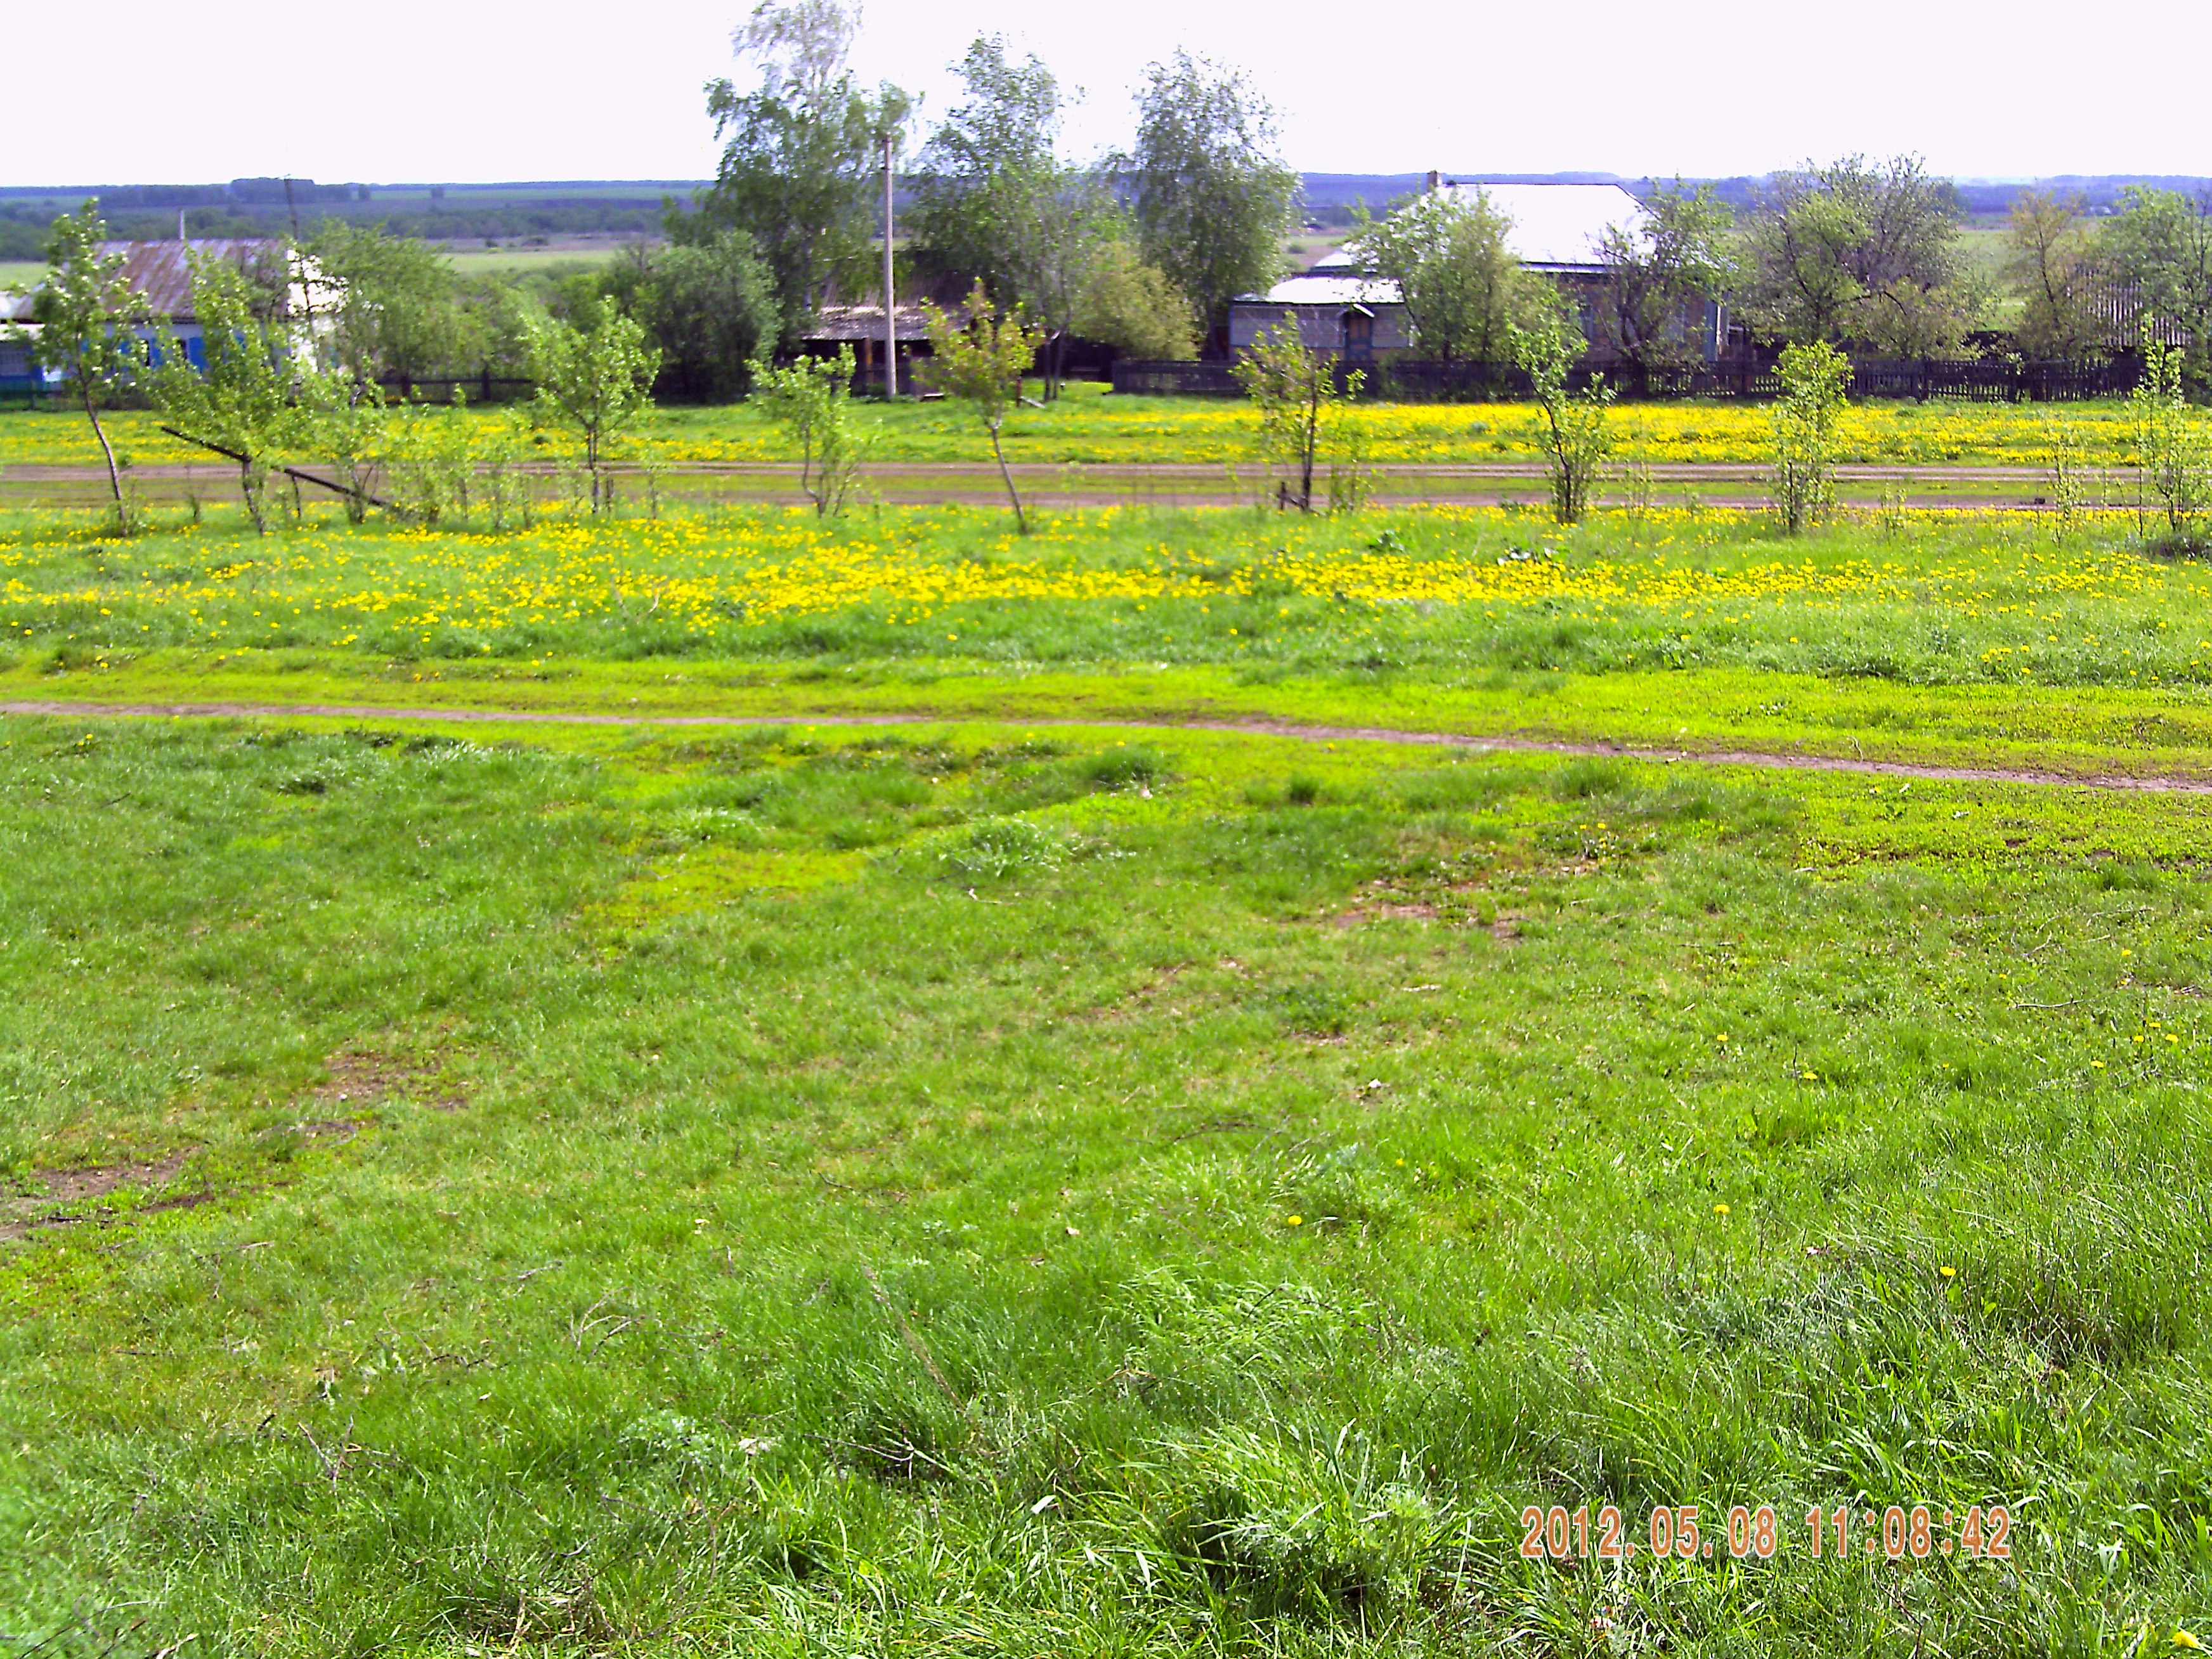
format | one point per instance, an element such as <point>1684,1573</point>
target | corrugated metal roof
<point>834,324</point>
<point>159,271</point>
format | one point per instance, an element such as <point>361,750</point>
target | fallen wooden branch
<point>288,471</point>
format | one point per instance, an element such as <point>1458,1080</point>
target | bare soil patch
<point>361,1080</point>
<point>60,1190</point>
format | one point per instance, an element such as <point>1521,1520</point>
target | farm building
<point>161,273</point>
<point>1557,230</point>
<point>18,374</point>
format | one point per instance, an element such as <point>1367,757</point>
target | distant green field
<point>21,273</point>
<point>526,261</point>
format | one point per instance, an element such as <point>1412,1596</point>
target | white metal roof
<point>1327,291</point>
<point>1560,225</point>
<point>1552,228</point>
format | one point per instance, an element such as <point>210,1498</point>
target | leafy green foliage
<point>1661,273</point>
<point>88,318</point>
<point>1211,194</point>
<point>796,170</point>
<point>2173,450</point>
<point>709,303</point>
<point>597,379</point>
<point>1861,253</point>
<point>980,360</point>
<point>1815,378</point>
<point>2049,263</point>
<point>239,403</point>
<point>994,205</point>
<point>1134,308</point>
<point>389,306</point>
<point>1295,392</point>
<point>1577,438</point>
<point>2160,243</point>
<point>813,399</point>
<point>1462,288</point>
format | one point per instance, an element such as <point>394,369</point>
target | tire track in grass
<point>2151,783</point>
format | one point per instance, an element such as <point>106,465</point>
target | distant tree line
<point>1141,249</point>
<point>1144,247</point>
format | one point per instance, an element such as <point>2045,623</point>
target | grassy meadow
<point>980,1143</point>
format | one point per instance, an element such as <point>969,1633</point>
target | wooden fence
<point>1406,380</point>
<point>483,388</point>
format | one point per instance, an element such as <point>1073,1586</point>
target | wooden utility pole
<point>890,311</point>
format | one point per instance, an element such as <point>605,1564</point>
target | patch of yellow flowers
<point>707,577</point>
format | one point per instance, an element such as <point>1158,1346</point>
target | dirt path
<point>1257,726</point>
<point>1175,484</point>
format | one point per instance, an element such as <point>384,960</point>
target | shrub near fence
<point>1408,381</point>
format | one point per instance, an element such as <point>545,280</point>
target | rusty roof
<point>160,271</point>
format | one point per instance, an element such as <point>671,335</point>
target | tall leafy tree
<point>2160,246</point>
<point>709,306</point>
<point>1462,286</point>
<point>394,310</point>
<point>1861,252</point>
<point>983,182</point>
<point>799,154</point>
<point>994,203</point>
<point>2048,262</point>
<point>1661,271</point>
<point>1213,196</point>
<point>87,317</point>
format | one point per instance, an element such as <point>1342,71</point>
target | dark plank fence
<point>484,388</point>
<point>1410,382</point>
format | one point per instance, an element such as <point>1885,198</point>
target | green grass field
<point>894,1088</point>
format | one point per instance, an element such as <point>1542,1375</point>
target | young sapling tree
<point>812,400</point>
<point>980,363</point>
<point>598,379</point>
<point>1815,377</point>
<point>1296,392</point>
<point>88,318</point>
<point>1577,439</point>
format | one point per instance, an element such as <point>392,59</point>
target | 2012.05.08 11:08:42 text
<point>1678,1532</point>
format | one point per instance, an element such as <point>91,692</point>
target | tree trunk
<point>251,480</point>
<point>1021,520</point>
<point>114,476</point>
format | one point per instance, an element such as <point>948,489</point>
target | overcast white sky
<point>457,90</point>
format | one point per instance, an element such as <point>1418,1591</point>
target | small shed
<point>861,327</point>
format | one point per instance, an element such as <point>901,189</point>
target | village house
<point>1340,306</point>
<point>159,273</point>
